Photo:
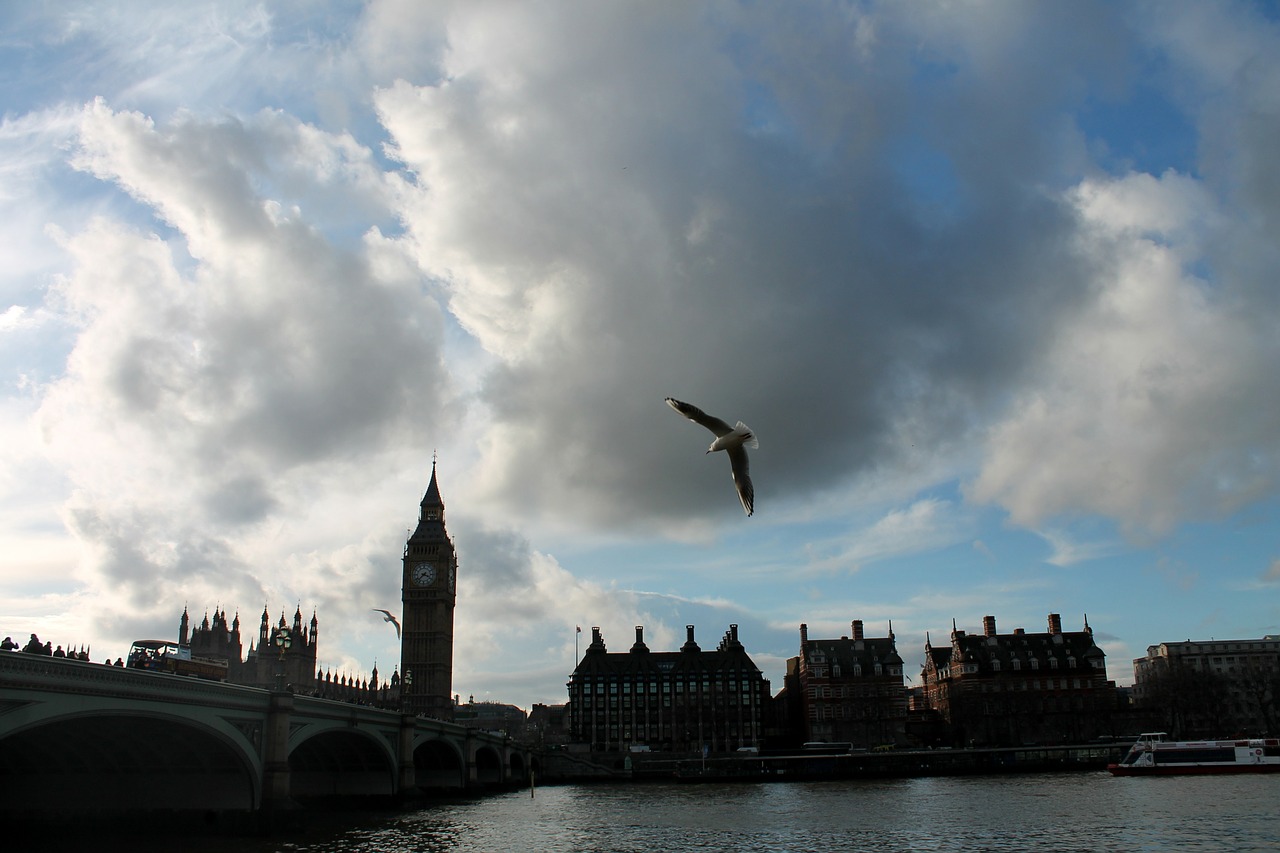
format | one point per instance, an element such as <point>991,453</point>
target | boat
<point>1153,755</point>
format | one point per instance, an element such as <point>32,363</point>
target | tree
<point>1189,702</point>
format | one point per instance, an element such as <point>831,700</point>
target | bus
<point>165,656</point>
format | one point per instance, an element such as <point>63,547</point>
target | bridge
<point>86,736</point>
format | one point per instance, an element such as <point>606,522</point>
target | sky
<point>995,285</point>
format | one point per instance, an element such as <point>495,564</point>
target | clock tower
<point>428,591</point>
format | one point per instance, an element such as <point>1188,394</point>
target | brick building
<point>994,689</point>
<point>677,701</point>
<point>848,690</point>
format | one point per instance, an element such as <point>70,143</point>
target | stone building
<point>848,690</point>
<point>217,639</point>
<point>994,689</point>
<point>428,594</point>
<point>1211,688</point>
<point>283,654</point>
<point>548,725</point>
<point>491,717</point>
<point>684,701</point>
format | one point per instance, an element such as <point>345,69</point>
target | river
<point>1048,812</point>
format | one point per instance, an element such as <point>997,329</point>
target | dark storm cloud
<point>784,275</point>
<point>856,232</point>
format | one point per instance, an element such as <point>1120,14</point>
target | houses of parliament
<point>285,652</point>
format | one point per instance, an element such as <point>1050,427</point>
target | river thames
<point>1084,811</point>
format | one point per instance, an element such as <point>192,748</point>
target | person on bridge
<point>8,645</point>
<point>34,646</point>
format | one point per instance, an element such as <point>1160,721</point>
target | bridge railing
<point>19,670</point>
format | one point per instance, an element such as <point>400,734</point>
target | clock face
<point>424,574</point>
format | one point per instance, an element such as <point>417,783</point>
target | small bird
<point>387,617</point>
<point>733,439</point>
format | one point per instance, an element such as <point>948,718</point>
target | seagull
<point>387,617</point>
<point>734,439</point>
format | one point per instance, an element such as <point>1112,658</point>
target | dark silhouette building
<point>428,593</point>
<point>491,717</point>
<point>282,655</point>
<point>848,690</point>
<point>994,689</point>
<point>684,701</point>
<point>1211,688</point>
<point>216,639</point>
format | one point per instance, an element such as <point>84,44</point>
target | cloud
<point>1068,550</point>
<point>606,253</point>
<point>924,526</point>
<point>1135,412</point>
<point>235,357</point>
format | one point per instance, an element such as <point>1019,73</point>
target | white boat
<point>1152,755</point>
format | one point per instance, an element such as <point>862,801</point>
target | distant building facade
<point>993,689</point>
<point>490,717</point>
<point>1212,688</point>
<point>548,725</point>
<point>848,689</point>
<point>683,701</point>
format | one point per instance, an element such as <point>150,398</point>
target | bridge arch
<point>347,762</point>
<point>517,772</point>
<point>439,765</point>
<point>125,760</point>
<point>488,765</point>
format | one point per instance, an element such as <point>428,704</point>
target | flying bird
<point>734,440</point>
<point>387,617</point>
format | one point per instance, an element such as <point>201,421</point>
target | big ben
<point>428,591</point>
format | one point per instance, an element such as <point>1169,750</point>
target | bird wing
<point>698,416</point>
<point>387,617</point>
<point>742,478</point>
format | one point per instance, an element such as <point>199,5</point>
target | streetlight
<point>283,642</point>
<point>405,684</point>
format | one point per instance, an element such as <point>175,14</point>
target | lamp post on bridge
<point>406,688</point>
<point>283,642</point>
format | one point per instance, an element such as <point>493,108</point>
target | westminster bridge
<point>77,735</point>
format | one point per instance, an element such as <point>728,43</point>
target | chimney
<point>804,633</point>
<point>689,645</point>
<point>733,633</point>
<point>1018,632</point>
<point>1055,623</point>
<point>857,629</point>
<point>639,646</point>
<point>989,626</point>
